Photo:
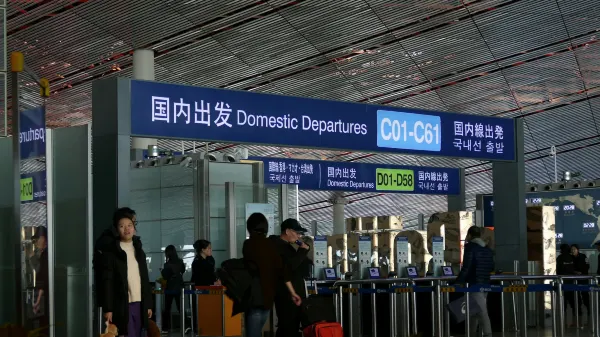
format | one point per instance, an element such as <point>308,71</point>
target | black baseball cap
<point>292,224</point>
<point>40,231</point>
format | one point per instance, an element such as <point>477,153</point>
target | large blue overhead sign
<point>360,177</point>
<point>32,133</point>
<point>177,111</point>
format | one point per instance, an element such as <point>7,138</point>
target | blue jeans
<point>255,321</point>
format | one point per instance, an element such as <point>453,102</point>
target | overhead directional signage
<point>361,177</point>
<point>187,112</point>
<point>33,187</point>
<point>32,133</point>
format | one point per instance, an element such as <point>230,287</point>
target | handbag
<point>458,309</point>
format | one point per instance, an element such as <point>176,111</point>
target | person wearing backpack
<point>172,273</point>
<point>268,272</point>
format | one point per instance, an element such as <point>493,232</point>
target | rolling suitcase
<point>324,330</point>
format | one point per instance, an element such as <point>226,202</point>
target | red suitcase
<point>324,330</point>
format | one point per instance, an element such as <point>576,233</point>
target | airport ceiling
<point>538,60</point>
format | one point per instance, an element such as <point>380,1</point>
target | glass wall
<point>164,201</point>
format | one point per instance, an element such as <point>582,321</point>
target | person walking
<point>565,266</point>
<point>478,265</point>
<point>127,296</point>
<point>288,313</point>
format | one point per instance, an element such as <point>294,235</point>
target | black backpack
<point>240,278</point>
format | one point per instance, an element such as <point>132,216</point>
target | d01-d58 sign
<point>186,112</point>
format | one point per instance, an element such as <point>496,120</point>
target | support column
<point>143,69</point>
<point>284,206</point>
<point>509,208</point>
<point>457,203</point>
<point>339,219</point>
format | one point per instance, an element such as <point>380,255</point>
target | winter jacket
<point>582,264</point>
<point>296,262</point>
<point>173,273</point>
<point>565,265</point>
<point>478,263</point>
<point>113,280</point>
<point>203,271</point>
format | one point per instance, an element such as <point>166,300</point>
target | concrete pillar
<point>143,69</point>
<point>510,222</point>
<point>339,219</point>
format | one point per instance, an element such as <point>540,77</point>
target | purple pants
<point>134,328</point>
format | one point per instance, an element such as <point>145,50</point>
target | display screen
<point>374,273</point>
<point>412,271</point>
<point>330,274</point>
<point>395,180</point>
<point>447,271</point>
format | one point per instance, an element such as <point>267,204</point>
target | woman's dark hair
<point>257,223</point>
<point>199,245</point>
<point>123,213</point>
<point>565,249</point>
<point>575,246</point>
<point>171,253</point>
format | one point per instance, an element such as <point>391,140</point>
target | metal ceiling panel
<point>206,64</point>
<point>580,16</point>
<point>561,125</point>
<point>428,100</point>
<point>583,160</point>
<point>448,49</point>
<point>484,95</point>
<point>537,172</point>
<point>588,58</point>
<point>395,14</point>
<point>324,82</point>
<point>595,104</point>
<point>329,24</point>
<point>136,22</point>
<point>266,43</point>
<point>521,26</point>
<point>544,79</point>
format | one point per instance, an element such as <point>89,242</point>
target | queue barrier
<point>516,285</point>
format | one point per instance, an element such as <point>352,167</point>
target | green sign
<point>395,180</point>
<point>27,189</point>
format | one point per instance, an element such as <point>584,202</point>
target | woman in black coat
<point>127,297</point>
<point>203,267</point>
<point>173,274</point>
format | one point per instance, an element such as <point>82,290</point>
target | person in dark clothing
<point>172,273</point>
<point>107,238</point>
<point>125,285</point>
<point>582,267</point>
<point>203,267</point>
<point>288,313</point>
<point>565,265</point>
<point>42,303</point>
<point>597,245</point>
<point>262,253</point>
<point>478,265</point>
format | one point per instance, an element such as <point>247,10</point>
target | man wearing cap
<point>288,313</point>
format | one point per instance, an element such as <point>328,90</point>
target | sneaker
<point>164,332</point>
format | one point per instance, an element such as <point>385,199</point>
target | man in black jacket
<point>478,265</point>
<point>288,313</point>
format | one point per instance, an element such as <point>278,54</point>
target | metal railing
<point>518,286</point>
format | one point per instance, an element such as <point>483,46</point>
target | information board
<point>402,253</point>
<point>162,110</point>
<point>268,210</point>
<point>437,243</point>
<point>362,177</point>
<point>576,213</point>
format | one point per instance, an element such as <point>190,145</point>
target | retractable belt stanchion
<point>193,296</point>
<point>407,313</point>
<point>561,306</point>
<point>393,313</point>
<point>439,315</point>
<point>524,313</point>
<point>553,308</point>
<point>182,314</point>
<point>576,309</point>
<point>594,309</point>
<point>100,320</point>
<point>446,315</point>
<point>339,302</point>
<point>350,312</point>
<point>374,311</point>
<point>223,324</point>
<point>502,308</point>
<point>433,310</point>
<point>467,314</point>
<point>414,311</point>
